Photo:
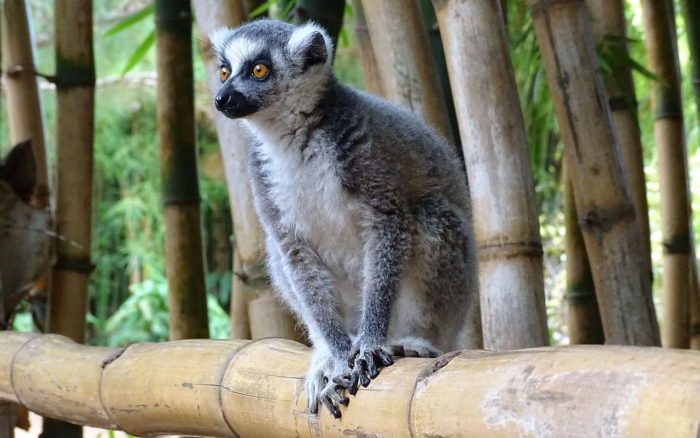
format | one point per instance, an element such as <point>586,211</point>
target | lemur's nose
<point>221,100</point>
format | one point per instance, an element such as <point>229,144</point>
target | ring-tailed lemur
<point>365,209</point>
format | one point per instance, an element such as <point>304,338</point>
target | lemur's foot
<point>365,361</point>
<point>324,384</point>
<point>413,347</point>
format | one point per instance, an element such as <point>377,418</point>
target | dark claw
<point>344,401</point>
<point>351,358</point>
<point>384,358</point>
<point>364,380</point>
<point>371,367</point>
<point>354,379</point>
<point>331,407</point>
<point>411,353</point>
<point>433,354</point>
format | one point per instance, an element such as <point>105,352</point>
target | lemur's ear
<point>311,45</point>
<point>19,170</point>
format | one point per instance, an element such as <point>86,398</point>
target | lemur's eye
<point>260,71</point>
<point>224,73</point>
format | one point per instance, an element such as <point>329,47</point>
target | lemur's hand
<point>365,360</point>
<point>325,381</point>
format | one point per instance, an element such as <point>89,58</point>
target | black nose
<point>221,100</point>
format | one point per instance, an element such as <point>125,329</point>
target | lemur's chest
<point>313,203</point>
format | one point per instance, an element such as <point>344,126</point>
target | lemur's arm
<point>315,288</point>
<point>386,248</point>
<point>312,286</point>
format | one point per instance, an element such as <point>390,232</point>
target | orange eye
<point>224,73</point>
<point>260,71</point>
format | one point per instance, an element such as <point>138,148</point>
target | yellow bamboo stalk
<point>608,19</point>
<point>669,136</point>
<point>583,315</point>
<point>373,81</point>
<point>75,94</point>
<point>605,209</point>
<point>406,67</point>
<point>250,279</point>
<point>255,389</point>
<point>495,148</point>
<point>26,117</point>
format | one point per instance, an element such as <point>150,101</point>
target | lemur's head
<point>269,64</point>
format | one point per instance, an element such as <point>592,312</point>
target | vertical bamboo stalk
<point>691,10</point>
<point>608,18</point>
<point>25,113</point>
<point>406,67</point>
<point>373,82</point>
<point>250,280</point>
<point>605,209</point>
<point>75,96</point>
<point>495,148</point>
<point>660,39</point>
<point>584,317</point>
<point>695,315</point>
<point>75,90</point>
<point>178,157</point>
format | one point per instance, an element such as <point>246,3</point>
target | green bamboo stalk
<point>691,11</point>
<point>178,159</point>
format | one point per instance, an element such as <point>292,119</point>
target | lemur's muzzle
<point>232,103</point>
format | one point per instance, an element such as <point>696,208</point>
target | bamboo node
<point>105,363</point>
<point>82,266</point>
<point>677,245</point>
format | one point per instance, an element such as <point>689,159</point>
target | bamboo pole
<point>583,314</point>
<point>406,67</point>
<point>691,11</point>
<point>373,81</point>
<point>605,210</point>
<point>660,40</point>
<point>246,389</point>
<point>25,115</point>
<point>495,148</point>
<point>608,19</point>
<point>75,93</point>
<point>187,304</point>
<point>250,280</point>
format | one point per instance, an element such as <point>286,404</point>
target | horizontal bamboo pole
<point>255,389</point>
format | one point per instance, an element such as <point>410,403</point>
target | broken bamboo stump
<point>255,389</point>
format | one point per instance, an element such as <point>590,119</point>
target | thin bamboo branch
<point>246,389</point>
<point>187,304</point>
<point>26,117</point>
<point>605,210</point>
<point>407,69</point>
<point>495,149</point>
<point>660,40</point>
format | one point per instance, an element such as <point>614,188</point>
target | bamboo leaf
<point>140,52</point>
<point>261,9</point>
<point>130,20</point>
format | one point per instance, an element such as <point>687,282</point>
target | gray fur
<point>365,209</point>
